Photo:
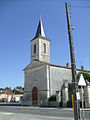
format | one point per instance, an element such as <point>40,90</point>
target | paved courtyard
<point>36,113</point>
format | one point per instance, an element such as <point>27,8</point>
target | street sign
<point>81,81</point>
<point>78,95</point>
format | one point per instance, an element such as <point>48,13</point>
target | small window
<point>44,45</point>
<point>34,48</point>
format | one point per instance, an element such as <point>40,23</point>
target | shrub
<point>52,98</point>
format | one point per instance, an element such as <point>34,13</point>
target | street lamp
<point>82,83</point>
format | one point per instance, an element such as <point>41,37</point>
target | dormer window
<point>34,48</point>
<point>44,46</point>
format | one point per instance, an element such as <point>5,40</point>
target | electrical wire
<point>79,6</point>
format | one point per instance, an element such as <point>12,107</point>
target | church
<point>42,79</point>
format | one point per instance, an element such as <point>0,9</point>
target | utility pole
<point>73,68</point>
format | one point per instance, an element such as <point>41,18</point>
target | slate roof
<point>40,31</point>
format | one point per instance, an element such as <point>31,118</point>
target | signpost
<point>82,83</point>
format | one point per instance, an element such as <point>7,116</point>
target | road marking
<point>6,113</point>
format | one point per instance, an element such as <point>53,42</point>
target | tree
<point>8,88</point>
<point>19,87</point>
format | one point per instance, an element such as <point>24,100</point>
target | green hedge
<point>52,98</point>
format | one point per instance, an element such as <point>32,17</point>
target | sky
<point>18,24</point>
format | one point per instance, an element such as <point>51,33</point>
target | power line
<point>80,6</point>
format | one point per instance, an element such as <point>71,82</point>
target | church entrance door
<point>34,96</point>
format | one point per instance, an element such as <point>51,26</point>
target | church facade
<point>42,79</point>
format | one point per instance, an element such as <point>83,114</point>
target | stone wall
<point>58,76</point>
<point>45,57</point>
<point>87,96</point>
<point>40,55</point>
<point>48,79</point>
<point>36,77</point>
<point>36,55</point>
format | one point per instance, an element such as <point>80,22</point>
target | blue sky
<point>18,23</point>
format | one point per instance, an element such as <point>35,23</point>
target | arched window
<point>44,45</point>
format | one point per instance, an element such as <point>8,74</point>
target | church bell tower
<point>40,45</point>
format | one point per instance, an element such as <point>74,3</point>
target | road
<point>36,113</point>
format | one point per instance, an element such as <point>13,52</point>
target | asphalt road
<point>36,113</point>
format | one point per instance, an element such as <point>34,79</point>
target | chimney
<point>67,65</point>
<point>82,67</point>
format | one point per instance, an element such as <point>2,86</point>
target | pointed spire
<point>40,30</point>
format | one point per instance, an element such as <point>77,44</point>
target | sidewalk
<point>85,109</point>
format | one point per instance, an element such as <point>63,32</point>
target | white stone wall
<point>87,96</point>
<point>36,55</point>
<point>45,57</point>
<point>48,79</point>
<point>57,77</point>
<point>40,55</point>
<point>36,76</point>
